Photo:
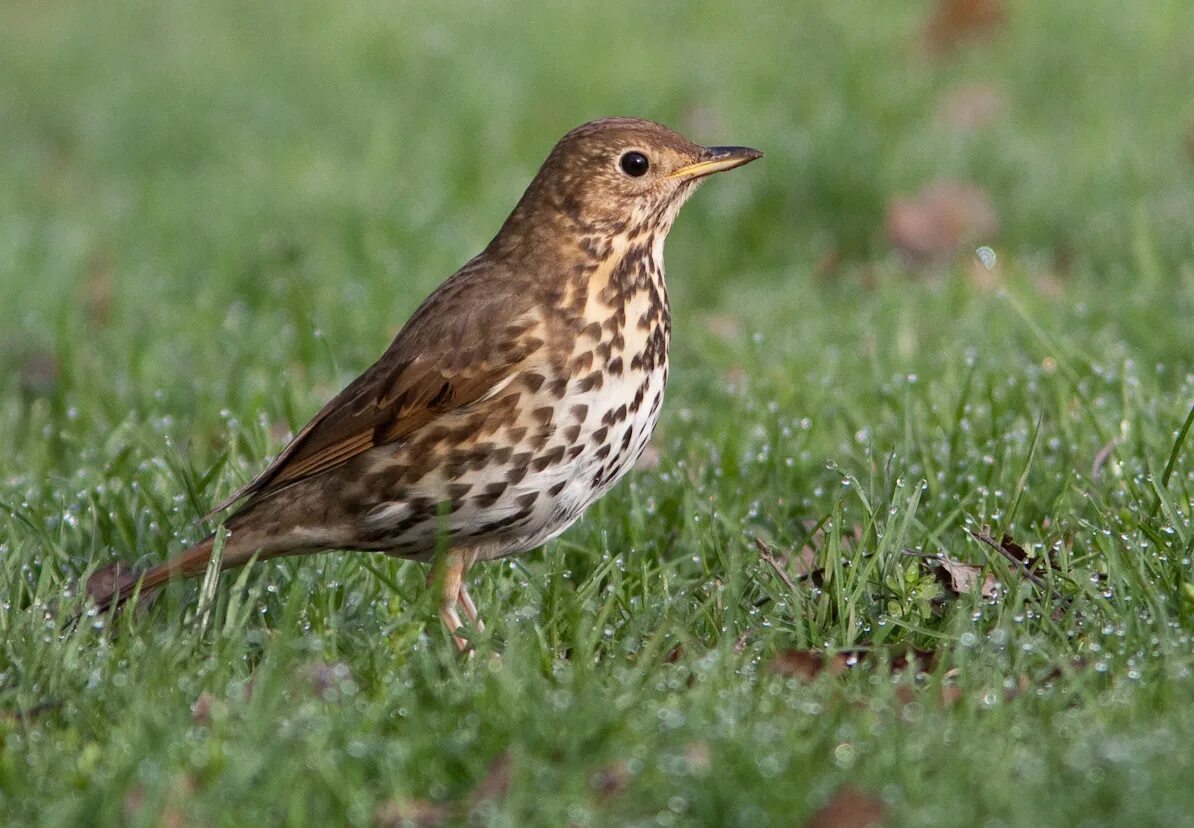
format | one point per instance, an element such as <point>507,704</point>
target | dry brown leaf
<point>943,218</point>
<point>201,709</point>
<point>964,578</point>
<point>172,814</point>
<point>327,679</point>
<point>29,714</point>
<point>724,326</point>
<point>849,807</point>
<point>972,106</point>
<point>954,23</point>
<point>828,263</point>
<point>416,813</point>
<point>806,665</point>
<point>611,780</point>
<point>649,460</point>
<point>39,374</point>
<point>98,288</point>
<point>921,661</point>
<point>699,757</point>
<point>496,782</point>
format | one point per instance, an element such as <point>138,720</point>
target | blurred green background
<point>212,215</point>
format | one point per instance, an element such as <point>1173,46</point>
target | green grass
<point>213,215</point>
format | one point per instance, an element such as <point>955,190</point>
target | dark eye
<point>635,164</point>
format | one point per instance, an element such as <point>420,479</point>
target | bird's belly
<point>611,446</point>
<point>528,490</point>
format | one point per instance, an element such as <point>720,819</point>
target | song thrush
<point>518,393</point>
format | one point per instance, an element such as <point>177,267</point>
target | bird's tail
<point>113,586</point>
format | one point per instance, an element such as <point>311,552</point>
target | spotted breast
<point>555,436</point>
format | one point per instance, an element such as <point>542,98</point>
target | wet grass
<point>212,217</point>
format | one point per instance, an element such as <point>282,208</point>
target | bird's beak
<point>716,159</point>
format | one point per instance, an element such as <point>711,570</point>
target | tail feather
<point>113,586</point>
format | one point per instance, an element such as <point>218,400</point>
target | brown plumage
<point>521,390</point>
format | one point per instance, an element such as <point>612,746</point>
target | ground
<point>913,542</point>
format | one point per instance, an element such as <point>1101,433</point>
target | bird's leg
<point>454,565</point>
<point>470,609</point>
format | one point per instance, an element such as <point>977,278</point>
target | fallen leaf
<point>411,813</point>
<point>970,107</point>
<point>828,263</point>
<point>39,374</point>
<point>950,695</point>
<point>201,709</point>
<point>98,288</point>
<point>921,661</point>
<point>611,780</point>
<point>963,578</point>
<point>172,815</point>
<point>806,665</point>
<point>723,326</point>
<point>328,680</point>
<point>649,460</point>
<point>943,218</point>
<point>699,758</point>
<point>280,432</point>
<point>954,23</point>
<point>496,782</point>
<point>29,714</point>
<point>849,807</point>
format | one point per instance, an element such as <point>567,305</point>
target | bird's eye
<point>635,164</point>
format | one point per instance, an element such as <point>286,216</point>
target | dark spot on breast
<point>603,452</point>
<point>541,437</point>
<point>526,500</point>
<point>504,523</point>
<point>616,415</point>
<point>579,412</point>
<point>549,458</point>
<point>600,434</point>
<point>638,397</point>
<point>544,414</point>
<point>582,362</point>
<point>490,494</point>
<point>592,382</point>
<point>615,367</point>
<point>532,381</point>
<point>557,488</point>
<point>571,433</point>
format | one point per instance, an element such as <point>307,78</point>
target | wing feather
<point>469,339</point>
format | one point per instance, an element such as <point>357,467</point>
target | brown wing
<point>466,339</point>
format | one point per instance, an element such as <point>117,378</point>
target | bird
<point>518,393</point>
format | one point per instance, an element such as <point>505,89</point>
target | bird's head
<point>620,176</point>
